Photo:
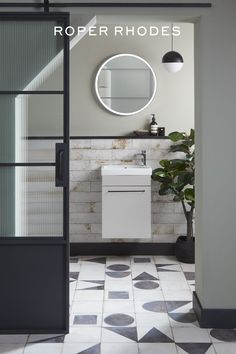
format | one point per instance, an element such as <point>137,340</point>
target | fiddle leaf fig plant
<point>176,176</point>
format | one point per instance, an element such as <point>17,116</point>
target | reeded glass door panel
<point>26,117</point>
<point>31,57</point>
<point>34,205</point>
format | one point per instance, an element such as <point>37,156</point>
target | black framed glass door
<point>34,173</point>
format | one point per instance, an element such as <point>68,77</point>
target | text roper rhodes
<point>119,31</point>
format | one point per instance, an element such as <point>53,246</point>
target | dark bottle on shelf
<point>153,126</point>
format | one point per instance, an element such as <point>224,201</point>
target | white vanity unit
<point>126,201</point>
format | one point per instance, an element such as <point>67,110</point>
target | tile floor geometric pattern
<point>134,305</point>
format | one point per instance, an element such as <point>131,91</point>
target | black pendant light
<point>172,61</point>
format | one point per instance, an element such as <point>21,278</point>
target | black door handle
<point>60,165</point>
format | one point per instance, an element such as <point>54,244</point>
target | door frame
<point>29,243</point>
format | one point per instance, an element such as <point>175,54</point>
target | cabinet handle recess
<point>133,191</point>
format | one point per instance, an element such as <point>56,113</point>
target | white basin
<point>126,170</point>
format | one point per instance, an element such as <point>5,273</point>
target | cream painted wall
<point>173,103</point>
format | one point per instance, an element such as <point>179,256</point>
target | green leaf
<point>189,194</point>
<point>160,172</point>
<point>165,190</point>
<point>186,177</point>
<point>176,198</point>
<point>192,135</point>
<point>165,163</point>
<point>179,148</point>
<point>178,165</point>
<point>176,136</point>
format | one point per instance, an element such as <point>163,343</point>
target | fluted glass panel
<point>26,117</point>
<point>31,57</point>
<point>36,208</point>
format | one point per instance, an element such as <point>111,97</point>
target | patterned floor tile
<point>45,348</point>
<point>46,338</point>
<point>165,260</point>
<point>111,306</point>
<point>81,348</point>
<point>74,267</point>
<point>148,295</point>
<point>154,348</point>
<point>118,295</point>
<point>119,334</point>
<point>88,295</point>
<point>187,267</point>
<point>154,335</point>
<point>145,276</point>
<point>195,348</point>
<point>118,275</point>
<point>99,260</point>
<point>119,285</point>
<point>74,276</point>
<point>118,320</point>
<point>13,339</point>
<point>83,334</point>
<point>110,348</point>
<point>72,291</point>
<point>178,306</point>
<point>183,319</point>
<point>90,274</point>
<point>225,348</point>
<point>152,319</point>
<point>177,295</point>
<point>118,267</point>
<point>152,306</point>
<point>85,320</point>
<point>223,335</point>
<point>168,268</point>
<point>80,320</point>
<point>12,348</point>
<point>146,284</point>
<point>140,304</point>
<point>86,307</point>
<point>173,280</point>
<point>90,285</point>
<point>190,335</point>
<point>155,306</point>
<point>189,275</point>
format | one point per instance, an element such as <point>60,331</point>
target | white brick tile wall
<point>78,197</point>
<point>87,157</point>
<point>167,218</point>
<point>85,218</point>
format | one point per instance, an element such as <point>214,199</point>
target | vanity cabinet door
<point>126,212</point>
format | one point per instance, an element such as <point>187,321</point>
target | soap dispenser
<point>153,126</point>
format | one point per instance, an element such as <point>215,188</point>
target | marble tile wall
<point>86,158</point>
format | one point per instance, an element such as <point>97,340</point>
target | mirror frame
<point>97,77</point>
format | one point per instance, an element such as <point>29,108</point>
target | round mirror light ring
<point>104,65</point>
<point>173,61</point>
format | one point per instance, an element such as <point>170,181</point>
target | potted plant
<point>176,177</point>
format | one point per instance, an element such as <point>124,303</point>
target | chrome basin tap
<point>143,155</point>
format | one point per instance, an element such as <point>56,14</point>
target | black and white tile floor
<point>138,305</point>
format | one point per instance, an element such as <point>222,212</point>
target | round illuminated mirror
<point>125,84</point>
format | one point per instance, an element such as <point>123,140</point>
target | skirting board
<point>121,249</point>
<point>214,318</point>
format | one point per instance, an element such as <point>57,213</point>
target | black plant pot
<point>185,249</point>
